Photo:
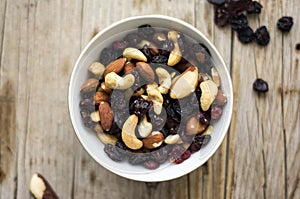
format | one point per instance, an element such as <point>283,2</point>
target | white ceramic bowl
<point>89,139</point>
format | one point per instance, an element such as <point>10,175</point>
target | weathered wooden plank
<point>209,180</point>
<point>290,92</point>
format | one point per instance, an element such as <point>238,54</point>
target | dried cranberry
<point>133,38</point>
<point>179,154</point>
<point>260,85</point>
<point>239,22</point>
<point>255,8</point>
<point>198,142</point>
<point>120,45</point>
<point>113,153</point>
<point>151,164</point>
<point>262,36</point>
<point>236,8</point>
<point>285,23</point>
<point>216,2</point>
<point>222,15</point>
<point>246,35</point>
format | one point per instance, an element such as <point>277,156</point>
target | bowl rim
<point>149,177</point>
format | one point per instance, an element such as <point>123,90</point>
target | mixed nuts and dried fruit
<point>152,97</point>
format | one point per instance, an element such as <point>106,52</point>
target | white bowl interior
<point>89,139</point>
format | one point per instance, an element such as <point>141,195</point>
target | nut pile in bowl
<point>152,97</point>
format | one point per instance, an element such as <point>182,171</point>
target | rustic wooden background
<point>40,41</point>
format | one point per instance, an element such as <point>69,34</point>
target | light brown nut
<point>106,115</point>
<point>193,126</point>
<point>115,66</point>
<point>215,77</point>
<point>209,92</point>
<point>114,81</point>
<point>209,130</point>
<point>144,127</point>
<point>172,139</point>
<point>164,79</point>
<point>175,54</point>
<point>101,96</point>
<point>40,187</point>
<point>185,84</point>
<point>97,69</point>
<point>95,116</point>
<point>104,137</point>
<point>145,70</point>
<point>89,85</point>
<point>129,66</point>
<point>128,133</point>
<point>134,53</point>
<point>221,99</point>
<point>140,91</point>
<point>154,140</point>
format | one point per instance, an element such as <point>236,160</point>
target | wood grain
<point>40,41</point>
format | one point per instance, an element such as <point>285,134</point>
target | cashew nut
<point>104,137</point>
<point>134,53</point>
<point>144,127</point>
<point>172,139</point>
<point>97,69</point>
<point>215,76</point>
<point>164,79</point>
<point>175,54</point>
<point>208,130</point>
<point>128,133</point>
<point>114,81</point>
<point>156,97</point>
<point>95,116</point>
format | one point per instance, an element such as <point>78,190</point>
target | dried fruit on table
<point>285,23</point>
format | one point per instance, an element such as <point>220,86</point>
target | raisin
<point>158,121</point>
<point>140,106</point>
<point>108,55</point>
<point>239,22</point>
<point>87,105</point>
<point>236,8</point>
<point>151,164</point>
<point>198,142</point>
<point>297,47</point>
<point>113,153</point>
<point>133,39</point>
<point>161,155</point>
<point>159,59</point>
<point>146,31</point>
<point>179,154</point>
<point>138,158</point>
<point>255,8</point>
<point>262,36</point>
<point>260,85</point>
<point>216,112</point>
<point>216,2</point>
<point>246,35</point>
<point>167,47</point>
<point>285,23</point>
<point>146,51</point>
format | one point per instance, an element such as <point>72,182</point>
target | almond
<point>145,70</point>
<point>106,115</point>
<point>101,96</point>
<point>129,66</point>
<point>154,140</point>
<point>185,84</point>
<point>89,85</point>
<point>115,66</point>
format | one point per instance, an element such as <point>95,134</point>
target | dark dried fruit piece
<point>216,2</point>
<point>260,85</point>
<point>222,16</point>
<point>239,22</point>
<point>140,106</point>
<point>108,55</point>
<point>198,142</point>
<point>285,23</point>
<point>146,31</point>
<point>262,36</point>
<point>151,164</point>
<point>246,35</point>
<point>297,46</point>
<point>255,8</point>
<point>133,39</point>
<point>113,153</point>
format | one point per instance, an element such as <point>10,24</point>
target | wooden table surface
<point>40,41</point>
